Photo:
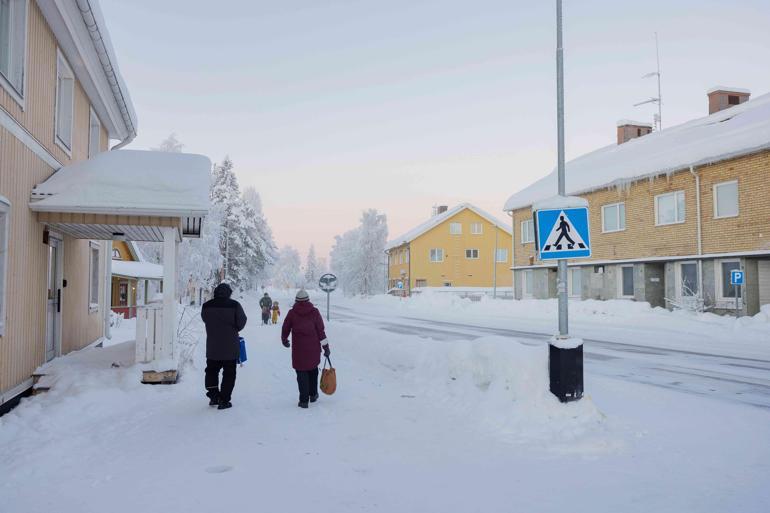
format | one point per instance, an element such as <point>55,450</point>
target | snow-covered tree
<point>286,272</point>
<point>357,257</point>
<point>171,144</point>
<point>264,235</point>
<point>311,269</point>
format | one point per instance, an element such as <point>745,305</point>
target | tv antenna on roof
<point>658,99</point>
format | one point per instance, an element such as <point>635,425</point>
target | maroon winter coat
<point>306,326</point>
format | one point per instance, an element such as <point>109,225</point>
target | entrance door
<point>54,300</point>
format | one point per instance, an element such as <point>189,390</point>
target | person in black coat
<point>224,318</point>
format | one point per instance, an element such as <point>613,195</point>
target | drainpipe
<point>409,269</point>
<point>90,19</point>
<point>699,232</point>
<point>107,288</point>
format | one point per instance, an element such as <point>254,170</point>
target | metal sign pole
<point>562,270</point>
<point>735,289</point>
<point>328,295</point>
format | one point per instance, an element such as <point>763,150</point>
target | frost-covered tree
<point>264,235</point>
<point>171,144</point>
<point>286,272</point>
<point>246,241</point>
<point>311,268</point>
<point>357,255</point>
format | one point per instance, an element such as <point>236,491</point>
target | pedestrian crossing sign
<point>562,233</point>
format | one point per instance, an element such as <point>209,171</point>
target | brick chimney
<point>721,97</point>
<point>439,209</point>
<point>628,130</point>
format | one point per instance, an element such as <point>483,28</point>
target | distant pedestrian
<point>306,327</point>
<point>265,304</point>
<point>224,318</point>
<point>276,309</point>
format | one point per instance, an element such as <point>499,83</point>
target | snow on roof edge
<point>438,219</point>
<point>730,133</point>
<point>624,122</point>
<point>728,89</point>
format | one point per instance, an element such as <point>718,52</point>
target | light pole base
<point>565,368</point>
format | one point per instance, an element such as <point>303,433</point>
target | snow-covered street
<point>430,415</point>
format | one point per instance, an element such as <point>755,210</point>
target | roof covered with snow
<point>438,219</point>
<point>739,130</point>
<point>140,270</point>
<point>129,182</point>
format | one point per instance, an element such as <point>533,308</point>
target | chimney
<point>440,209</point>
<point>721,97</point>
<point>628,130</point>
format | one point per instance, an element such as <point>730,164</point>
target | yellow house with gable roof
<point>463,248</point>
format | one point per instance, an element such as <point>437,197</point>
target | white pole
<point>562,274</point>
<point>660,98</point>
<point>169,292</point>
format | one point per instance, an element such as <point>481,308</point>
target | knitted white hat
<point>302,295</point>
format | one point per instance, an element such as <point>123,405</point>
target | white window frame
<point>621,221</point>
<point>501,251</point>
<point>94,127</point>
<point>63,66</point>
<point>676,208</point>
<point>438,251</point>
<point>471,250</point>
<point>5,214</point>
<point>578,294</point>
<point>18,94</point>
<point>455,228</point>
<point>94,252</point>
<point>716,199</point>
<point>525,239</point>
<point>680,276</point>
<point>477,228</point>
<point>721,301</point>
<point>406,256</point>
<point>620,281</point>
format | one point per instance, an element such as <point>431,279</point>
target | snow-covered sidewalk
<point>415,426</point>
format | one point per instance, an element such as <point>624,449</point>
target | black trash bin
<point>565,367</point>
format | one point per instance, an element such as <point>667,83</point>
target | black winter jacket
<point>224,318</point>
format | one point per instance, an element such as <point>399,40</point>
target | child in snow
<point>276,312</point>
<point>265,315</point>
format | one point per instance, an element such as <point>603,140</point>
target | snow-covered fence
<point>149,333</point>
<point>189,333</point>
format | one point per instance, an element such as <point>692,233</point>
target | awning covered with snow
<point>126,194</point>
<point>137,270</point>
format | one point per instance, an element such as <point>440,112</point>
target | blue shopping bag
<point>242,355</point>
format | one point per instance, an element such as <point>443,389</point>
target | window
<point>116,254</point>
<point>472,254</point>
<point>93,288</point>
<point>614,217</point>
<point>65,101</point>
<point>406,256</point>
<point>94,135</point>
<point>575,284</point>
<point>477,228</point>
<point>627,281</point>
<point>527,231</point>
<point>526,283</point>
<point>13,41</point>
<point>733,99</point>
<point>455,228</point>
<point>421,283</point>
<point>726,199</point>
<point>501,255</point>
<point>437,255</point>
<point>669,208</point>
<point>688,279</point>
<point>726,290</point>
<point>5,210</point>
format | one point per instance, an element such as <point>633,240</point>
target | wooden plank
<point>167,377</point>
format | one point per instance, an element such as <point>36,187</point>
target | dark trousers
<point>213,389</point>
<point>307,381</point>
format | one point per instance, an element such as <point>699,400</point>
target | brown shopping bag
<point>328,378</point>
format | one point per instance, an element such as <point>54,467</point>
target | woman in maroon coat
<point>306,327</point>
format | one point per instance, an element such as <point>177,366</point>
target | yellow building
<point>132,275</point>
<point>464,248</point>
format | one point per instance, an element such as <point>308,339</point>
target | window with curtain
<point>669,208</point>
<point>614,217</point>
<point>527,231</point>
<point>13,37</point>
<point>437,255</point>
<point>455,228</point>
<point>501,255</point>
<point>726,199</point>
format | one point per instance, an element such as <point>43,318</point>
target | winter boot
<point>313,398</point>
<point>213,396</point>
<point>302,405</point>
<point>223,405</point>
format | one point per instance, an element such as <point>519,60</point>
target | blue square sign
<point>562,233</point>
<point>737,277</point>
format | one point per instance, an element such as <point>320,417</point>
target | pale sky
<point>331,107</point>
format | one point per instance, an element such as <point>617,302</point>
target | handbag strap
<point>327,360</point>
